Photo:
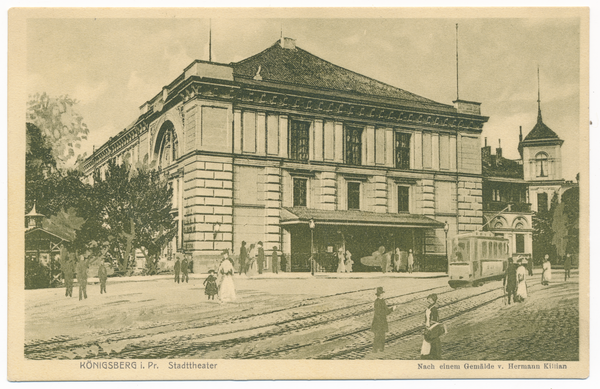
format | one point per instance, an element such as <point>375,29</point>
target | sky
<point>113,65</point>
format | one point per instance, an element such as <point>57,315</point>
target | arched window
<point>169,145</point>
<point>541,164</point>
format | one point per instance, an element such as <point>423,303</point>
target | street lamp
<point>311,225</point>
<point>216,229</point>
<point>446,228</point>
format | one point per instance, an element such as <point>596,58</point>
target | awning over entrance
<point>301,215</point>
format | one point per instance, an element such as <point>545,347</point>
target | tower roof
<point>540,130</point>
<point>285,63</point>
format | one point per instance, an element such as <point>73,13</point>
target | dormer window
<point>541,165</point>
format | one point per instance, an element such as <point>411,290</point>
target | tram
<point>477,257</point>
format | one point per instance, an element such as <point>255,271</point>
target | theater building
<point>286,148</point>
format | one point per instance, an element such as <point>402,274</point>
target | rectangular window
<point>300,192</point>
<point>402,150</point>
<point>354,195</point>
<point>520,243</point>
<point>215,130</point>
<point>249,132</point>
<point>273,134</point>
<point>354,145</point>
<point>403,199</point>
<point>542,199</point>
<point>299,140</point>
<point>495,194</point>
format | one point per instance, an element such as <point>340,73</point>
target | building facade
<point>288,149</point>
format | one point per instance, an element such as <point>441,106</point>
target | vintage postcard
<point>335,193</point>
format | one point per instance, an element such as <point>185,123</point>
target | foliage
<point>60,124</point>
<point>128,209</point>
<point>543,233</point>
<point>570,200</point>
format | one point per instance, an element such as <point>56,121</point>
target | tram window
<point>484,251</point>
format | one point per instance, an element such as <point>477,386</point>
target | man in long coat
<point>177,268</point>
<point>380,324</point>
<point>102,276</point>
<point>68,275</point>
<point>82,276</point>
<point>260,259</point>
<point>243,257</point>
<point>510,280</point>
<point>184,269</point>
<point>567,266</point>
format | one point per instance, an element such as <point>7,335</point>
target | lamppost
<point>311,225</point>
<point>216,229</point>
<point>446,228</point>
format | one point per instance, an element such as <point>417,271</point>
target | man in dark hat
<point>177,267</point>
<point>567,266</point>
<point>510,280</point>
<point>260,259</point>
<point>184,269</point>
<point>68,270</point>
<point>82,275</point>
<point>243,257</point>
<point>380,324</point>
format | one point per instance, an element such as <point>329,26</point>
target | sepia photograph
<point>335,193</point>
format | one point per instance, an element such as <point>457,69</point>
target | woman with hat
<point>380,324</point>
<point>225,274</point>
<point>546,271</point>
<point>432,344</point>
<point>341,261</point>
<point>521,280</point>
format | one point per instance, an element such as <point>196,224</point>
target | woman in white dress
<point>546,270</point>
<point>522,273</point>
<point>252,265</point>
<point>349,262</point>
<point>225,274</point>
<point>341,266</point>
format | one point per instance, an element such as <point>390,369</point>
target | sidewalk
<point>281,275</point>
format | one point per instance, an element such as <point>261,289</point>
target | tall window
<point>169,146</point>
<point>403,198</point>
<point>354,145</point>
<point>541,165</point>
<point>520,240</point>
<point>354,195</point>
<point>495,194</point>
<point>542,199</point>
<point>299,140</point>
<point>402,150</point>
<point>300,192</point>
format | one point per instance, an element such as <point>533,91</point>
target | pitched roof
<point>501,167</point>
<point>298,67</point>
<point>541,131</point>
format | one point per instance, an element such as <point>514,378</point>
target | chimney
<point>520,134</point>
<point>499,151</point>
<point>287,43</point>
<point>486,154</point>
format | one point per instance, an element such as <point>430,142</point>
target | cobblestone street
<point>300,318</point>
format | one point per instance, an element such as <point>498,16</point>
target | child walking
<point>210,285</point>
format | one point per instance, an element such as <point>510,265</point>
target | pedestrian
<point>341,267</point>
<point>397,260</point>
<point>225,279</point>
<point>82,276</point>
<point>510,280</point>
<point>380,324</point>
<point>68,270</point>
<point>243,258</point>
<point>567,266</point>
<point>546,270</point>
<point>521,280</point>
<point>210,285</point>
<point>185,268</point>
<point>102,276</point>
<point>411,261</point>
<point>177,267</point>
<point>432,344</point>
<point>349,262</point>
<point>260,259</point>
<point>529,267</point>
<point>383,258</point>
<point>275,260</point>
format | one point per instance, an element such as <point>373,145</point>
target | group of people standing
<point>253,260</point>
<point>73,268</point>
<point>182,267</point>
<point>345,261</point>
<point>220,283</point>
<point>433,329</point>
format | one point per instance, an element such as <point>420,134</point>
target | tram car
<point>477,257</point>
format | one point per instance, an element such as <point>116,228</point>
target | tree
<point>570,200</point>
<point>128,209</point>
<point>543,233</point>
<point>60,124</point>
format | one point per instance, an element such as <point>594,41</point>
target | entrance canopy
<point>301,215</point>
